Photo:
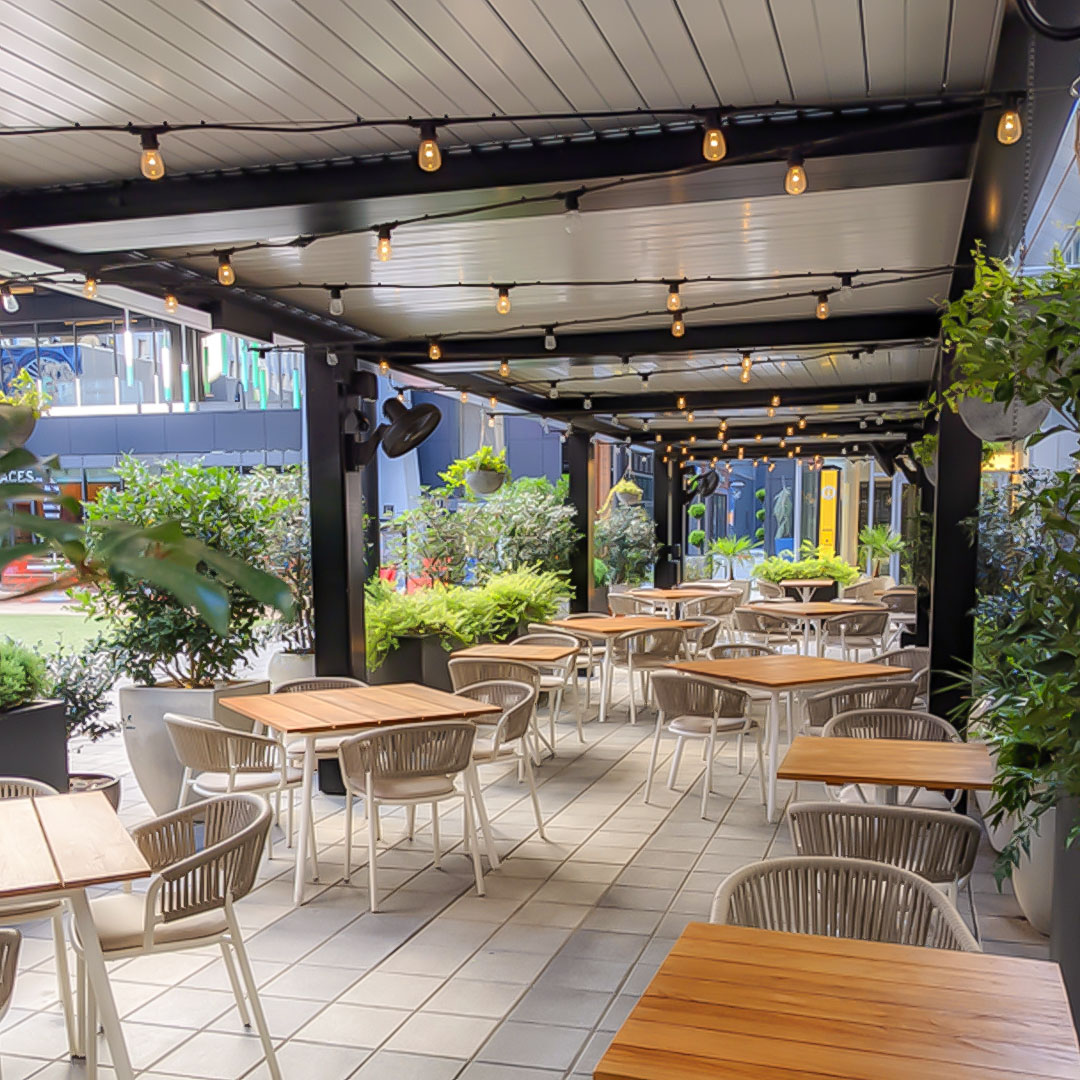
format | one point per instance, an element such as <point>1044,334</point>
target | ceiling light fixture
<point>428,156</point>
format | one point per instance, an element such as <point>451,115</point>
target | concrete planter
<point>285,666</point>
<point>996,422</point>
<point>485,481</point>
<point>1065,927</point>
<point>1033,878</point>
<point>416,659</point>
<point>146,739</point>
<point>33,743</point>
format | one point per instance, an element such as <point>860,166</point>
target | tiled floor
<point>528,983</point>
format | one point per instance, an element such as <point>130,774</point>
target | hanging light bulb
<point>669,448</point>
<point>644,381</point>
<point>383,248</point>
<point>714,145</point>
<point>678,327</point>
<point>693,438</point>
<point>757,436</point>
<point>791,453</point>
<point>802,423</point>
<point>723,426</point>
<point>770,412</point>
<point>504,368</point>
<point>1009,127</point>
<point>775,401</point>
<point>862,424</point>
<point>502,305</point>
<point>772,465</point>
<point>795,179</point>
<point>171,303</point>
<point>587,403</point>
<point>401,396</point>
<point>434,350</point>
<point>226,275</point>
<point>645,424</point>
<point>89,289</point>
<point>659,437</point>
<point>337,305</point>
<point>464,397</point>
<point>549,338</point>
<point>684,451</point>
<point>674,300</point>
<point>624,366</point>
<point>724,445</point>
<point>553,391</point>
<point>783,442</point>
<point>798,450</point>
<point>151,163</point>
<point>384,366</point>
<point>427,156</point>
<point>493,401</point>
<point>822,309</point>
<point>573,213</point>
<point>491,420</point>
<point>690,416</point>
<point>9,299</point>
<point>740,454</point>
<point>680,403</point>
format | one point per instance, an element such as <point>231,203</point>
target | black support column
<point>667,512</point>
<point>580,465</point>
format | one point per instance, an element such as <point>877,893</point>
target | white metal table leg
<point>605,682</point>
<point>774,752</point>
<point>304,833</point>
<point>99,982</point>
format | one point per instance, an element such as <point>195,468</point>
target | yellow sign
<point>830,490</point>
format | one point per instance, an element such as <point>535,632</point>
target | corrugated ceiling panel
<point>823,48</point>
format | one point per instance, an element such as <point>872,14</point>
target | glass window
<point>18,352</point>
<point>96,362</point>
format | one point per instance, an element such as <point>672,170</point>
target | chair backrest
<point>516,699</point>
<point>914,657</point>
<point>466,670</point>
<point>749,621</point>
<point>903,600</point>
<point>9,960</point>
<point>189,880</point>
<point>624,604</point>
<point>892,694</point>
<point>890,724</point>
<point>859,590</point>
<point>770,588</point>
<point>858,623</point>
<point>882,583</point>
<point>203,746</point>
<point>844,898</point>
<point>552,637</point>
<point>703,632</point>
<point>680,694</point>
<point>405,751</point>
<point>718,606</point>
<point>318,682</point>
<point>935,844</point>
<point>22,787</point>
<point>662,643</point>
<point>731,652</point>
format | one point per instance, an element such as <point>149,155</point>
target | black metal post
<point>579,465</point>
<point>665,571</point>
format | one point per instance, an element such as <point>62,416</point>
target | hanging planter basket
<point>628,498</point>
<point>993,421</point>
<point>16,426</point>
<point>931,472</point>
<point>485,481</point>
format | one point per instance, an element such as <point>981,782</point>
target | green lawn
<point>48,629</point>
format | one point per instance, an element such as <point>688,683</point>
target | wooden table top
<point>808,583</point>
<point>320,711</point>
<point>778,672</point>
<point>611,625</point>
<point>673,594</point>
<point>509,650</point>
<point>60,842</point>
<point>891,762</point>
<point>809,609</point>
<point>735,1003</point>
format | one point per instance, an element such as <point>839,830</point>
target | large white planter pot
<point>1033,879</point>
<point>995,422</point>
<point>286,666</point>
<point>146,739</point>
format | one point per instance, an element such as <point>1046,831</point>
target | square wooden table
<point>57,846</point>
<point>525,653</point>
<point>735,1002</point>
<point>811,613</point>
<point>889,763</point>
<point>783,674</point>
<point>334,712</point>
<point>606,628</point>
<point>805,586</point>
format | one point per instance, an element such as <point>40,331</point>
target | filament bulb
<point>427,156</point>
<point>434,351</point>
<point>795,180</point>
<point>337,305</point>
<point>226,275</point>
<point>714,145</point>
<point>504,368</point>
<point>89,289</point>
<point>674,301</point>
<point>822,309</point>
<point>382,248</point>
<point>502,305</point>
<point>151,163</point>
<point>384,367</point>
<point>464,397</point>
<point>9,299</point>
<point>171,303</point>
<point>678,327</point>
<point>1009,128</point>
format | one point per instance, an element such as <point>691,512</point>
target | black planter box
<point>416,659</point>
<point>1065,926</point>
<point>33,743</point>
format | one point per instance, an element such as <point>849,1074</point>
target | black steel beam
<point>708,434</point>
<point>579,464</point>
<point>350,181</point>
<point>701,455</point>
<point>665,480</point>
<point>836,332</point>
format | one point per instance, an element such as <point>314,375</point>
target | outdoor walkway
<point>528,983</point>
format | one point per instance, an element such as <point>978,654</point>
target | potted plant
<point>878,544</point>
<point>179,663</point>
<point>601,580</point>
<point>482,472</point>
<point>814,564</point>
<point>20,406</point>
<point>696,538</point>
<point>33,739</point>
<point>625,538</point>
<point>626,492</point>
<point>731,550</point>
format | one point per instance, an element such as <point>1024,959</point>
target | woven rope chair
<point>554,676</point>
<point>467,670</point>
<point>739,651</point>
<point>625,604</point>
<point>644,651</point>
<point>702,635</point>
<point>764,629</point>
<point>893,724</point>
<point>856,631</point>
<point>507,738</point>
<point>9,960</point>
<point>938,845</point>
<point>409,765</point>
<point>14,912</point>
<point>892,694</point>
<point>770,590</point>
<point>917,659</point>
<point>189,903</point>
<point>694,708</point>
<point>589,659</point>
<point>902,599</point>
<point>843,898</point>
<point>859,590</point>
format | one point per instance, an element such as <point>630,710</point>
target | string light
<point>723,426</point>
<point>783,442</point>
<point>624,366</point>
<point>685,451</point>
<point>795,180</point>
<point>464,397</point>
<point>740,454</point>
<point>493,401</point>
<point>504,368</point>
<point>553,391</point>
<point>226,275</point>
<point>434,350</point>
<point>382,248</point>
<point>724,445</point>
<point>771,412</point>
<point>89,289</point>
<point>171,303</point>
<point>775,402</point>
<point>659,437</point>
<point>772,465</point>
<point>747,364</point>
<point>1009,127</point>
<point>502,304</point>
<point>802,423</point>
<point>822,308</point>
<point>151,163</point>
<point>491,420</point>
<point>791,453</point>
<point>572,214</point>
<point>384,367</point>
<point>862,424</point>
<point>798,450</point>
<point>690,416</point>
<point>714,145</point>
<point>669,448</point>
<point>674,300</point>
<point>678,327</point>
<point>789,430</point>
<point>680,403</point>
<point>427,155</point>
<point>587,403</point>
<point>9,299</point>
<point>337,305</point>
<point>757,436</point>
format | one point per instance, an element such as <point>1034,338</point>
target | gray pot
<point>485,481</point>
<point>996,422</point>
<point>16,425</point>
<point>627,498</point>
<point>146,739</point>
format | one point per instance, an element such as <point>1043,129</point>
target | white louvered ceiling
<point>148,61</point>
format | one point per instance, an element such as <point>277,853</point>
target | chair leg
<point>253,994</point>
<point>90,1026</point>
<point>80,1005</point>
<point>314,850</point>
<point>234,982</point>
<point>373,825</point>
<point>532,791</point>
<point>290,794</point>
<point>653,756</point>
<point>474,843</point>
<point>738,755</point>
<point>630,683</point>
<point>706,780</point>
<point>472,781</point>
<point>676,758</point>
<point>348,830</point>
<point>63,980</point>
<point>435,834</point>
<point>761,769</point>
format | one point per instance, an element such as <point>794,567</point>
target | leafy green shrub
<point>731,549</point>
<point>83,680</point>
<point>759,533</point>
<point>778,568</point>
<point>696,538</point>
<point>23,677</point>
<point>601,572</point>
<point>759,513</point>
<point>696,510</point>
<point>459,615</point>
<point>760,494</point>
<point>625,539</point>
<point>878,543</point>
